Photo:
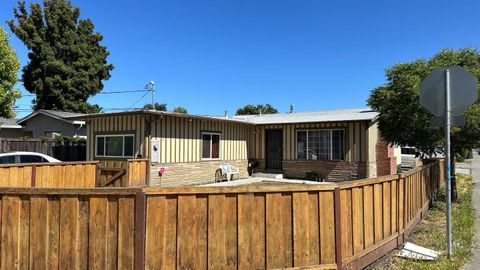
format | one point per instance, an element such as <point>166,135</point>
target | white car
<point>25,157</point>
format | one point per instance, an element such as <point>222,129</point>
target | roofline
<point>310,122</point>
<point>182,115</point>
<point>158,113</point>
<point>42,111</point>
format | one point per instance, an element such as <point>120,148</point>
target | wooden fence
<point>86,174</point>
<point>124,173</point>
<point>70,152</point>
<point>329,226</point>
<point>52,175</point>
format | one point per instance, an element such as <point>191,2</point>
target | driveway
<point>475,264</point>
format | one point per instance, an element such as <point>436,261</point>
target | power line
<point>131,107</point>
<point>101,93</point>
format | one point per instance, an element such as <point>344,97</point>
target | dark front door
<point>273,148</point>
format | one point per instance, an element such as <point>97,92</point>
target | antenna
<point>151,86</point>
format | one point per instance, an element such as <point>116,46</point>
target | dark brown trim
<point>34,175</point>
<point>338,229</point>
<point>140,223</point>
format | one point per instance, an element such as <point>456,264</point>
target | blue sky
<point>211,56</point>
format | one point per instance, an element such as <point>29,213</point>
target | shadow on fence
<point>329,226</point>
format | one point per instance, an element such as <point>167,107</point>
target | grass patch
<point>430,232</point>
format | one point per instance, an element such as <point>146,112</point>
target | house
<point>337,144</point>
<point>52,123</point>
<point>9,128</point>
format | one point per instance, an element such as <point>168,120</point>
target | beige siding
<point>355,139</point>
<point>181,138</point>
<point>127,124</point>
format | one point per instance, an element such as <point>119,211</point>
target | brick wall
<point>192,173</point>
<point>386,160</point>
<point>330,170</point>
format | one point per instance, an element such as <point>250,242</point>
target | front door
<point>273,148</point>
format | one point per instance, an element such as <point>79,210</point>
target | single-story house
<point>52,123</point>
<point>9,128</point>
<point>337,144</point>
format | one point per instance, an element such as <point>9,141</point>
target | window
<point>7,159</point>
<point>320,144</point>
<point>31,159</point>
<point>114,146</point>
<point>52,134</point>
<point>210,145</point>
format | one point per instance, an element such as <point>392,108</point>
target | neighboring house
<point>9,128</point>
<point>339,144</point>
<point>53,123</point>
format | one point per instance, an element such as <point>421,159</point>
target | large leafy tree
<point>180,109</point>
<point>67,62</point>
<point>9,67</point>
<point>403,121</point>
<point>157,107</point>
<point>258,109</point>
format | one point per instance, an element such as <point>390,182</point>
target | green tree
<point>259,109</point>
<point>180,109</point>
<point>67,63</point>
<point>9,67</point>
<point>403,121</point>
<point>157,107</point>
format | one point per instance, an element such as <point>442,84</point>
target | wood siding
<point>181,138</point>
<point>355,135</point>
<point>125,124</point>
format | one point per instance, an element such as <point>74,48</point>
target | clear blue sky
<point>211,56</point>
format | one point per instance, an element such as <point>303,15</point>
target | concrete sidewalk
<point>475,167</point>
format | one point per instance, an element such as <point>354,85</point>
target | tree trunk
<point>452,169</point>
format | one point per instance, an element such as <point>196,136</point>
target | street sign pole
<point>447,92</point>
<point>447,155</point>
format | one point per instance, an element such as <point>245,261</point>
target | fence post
<point>140,224</point>
<point>338,229</point>
<point>34,176</point>
<point>97,174</point>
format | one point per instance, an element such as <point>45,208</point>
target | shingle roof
<point>64,116</point>
<point>9,123</point>
<point>308,117</point>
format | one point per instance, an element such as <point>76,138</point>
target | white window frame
<point>105,136</point>
<point>330,154</point>
<point>219,145</point>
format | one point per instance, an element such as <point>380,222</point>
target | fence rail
<point>330,226</point>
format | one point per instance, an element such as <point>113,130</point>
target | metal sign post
<point>447,93</point>
<point>447,155</point>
